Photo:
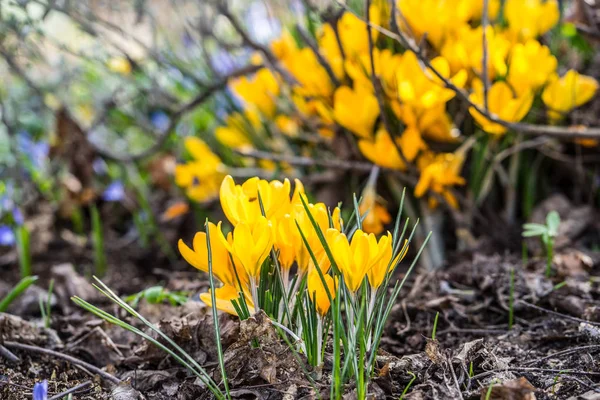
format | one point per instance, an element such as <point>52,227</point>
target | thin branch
<point>72,360</point>
<point>484,58</point>
<point>74,389</point>
<point>379,90</point>
<point>313,46</point>
<point>270,57</point>
<point>176,117</point>
<point>557,314</point>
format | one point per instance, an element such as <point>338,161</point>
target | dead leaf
<point>516,389</point>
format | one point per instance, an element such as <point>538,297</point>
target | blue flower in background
<point>187,39</point>
<point>7,236</point>
<point>36,152</point>
<point>263,27</point>
<point>223,62</point>
<point>114,192</point>
<point>99,166</point>
<point>40,390</point>
<point>160,120</point>
<point>17,216</point>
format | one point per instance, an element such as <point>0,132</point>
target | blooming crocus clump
<point>292,259</point>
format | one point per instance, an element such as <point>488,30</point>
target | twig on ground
<point>4,352</point>
<point>564,316</point>
<point>71,359</point>
<point>460,395</point>
<point>74,389</point>
<point>565,352</point>
<point>540,370</point>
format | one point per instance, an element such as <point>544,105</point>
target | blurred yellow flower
<point>528,19</point>
<point>356,110</point>
<point>439,19</point>
<point>438,174</point>
<point>502,103</point>
<point>261,91</point>
<point>377,215</point>
<point>531,65</point>
<point>287,125</point>
<point>120,65</point>
<point>239,129</point>
<point>422,89</point>
<point>382,151</point>
<point>201,177</point>
<point>465,51</point>
<point>317,292</point>
<point>386,64</point>
<point>566,93</point>
<point>353,32</point>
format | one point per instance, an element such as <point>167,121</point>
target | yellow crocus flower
<point>318,293</point>
<point>251,245</point>
<point>224,295</point>
<point>378,272</point>
<point>354,258</point>
<point>353,32</point>
<point>377,215</point>
<point>260,91</point>
<point>528,19</point>
<point>531,65</point>
<point>438,174</point>
<point>383,152</point>
<point>386,65</point>
<point>329,47</point>
<point>502,103</point>
<point>202,176</point>
<point>464,50</point>
<point>236,134</point>
<point>223,269</point>
<point>241,202</point>
<point>356,110</point>
<point>422,89</point>
<point>564,94</point>
<point>236,204</point>
<point>298,215</point>
<point>287,125</point>
<point>439,19</point>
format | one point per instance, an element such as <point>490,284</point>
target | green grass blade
<point>16,291</point>
<point>215,312</point>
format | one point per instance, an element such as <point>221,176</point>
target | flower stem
<point>254,289</point>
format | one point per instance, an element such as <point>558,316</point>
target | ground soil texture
<point>550,352</point>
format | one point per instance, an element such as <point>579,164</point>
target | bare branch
<point>484,58</point>
<point>177,115</point>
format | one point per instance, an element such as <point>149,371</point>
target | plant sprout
<point>547,233</point>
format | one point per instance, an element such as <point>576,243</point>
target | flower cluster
<point>273,224</point>
<point>392,104</point>
<point>294,260</point>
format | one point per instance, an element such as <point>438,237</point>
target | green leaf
<point>552,222</point>
<point>154,294</point>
